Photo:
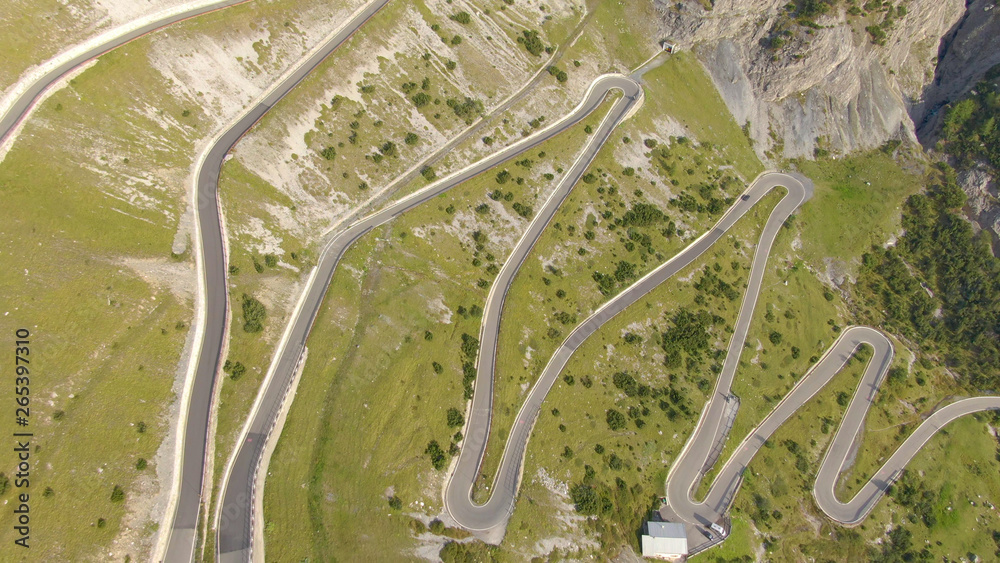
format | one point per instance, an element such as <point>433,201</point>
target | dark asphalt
<point>494,514</point>
<point>457,497</point>
<point>235,533</point>
<point>184,530</point>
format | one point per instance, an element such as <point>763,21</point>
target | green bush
<point>420,99</point>
<point>437,527</point>
<point>117,494</point>
<point>437,455</point>
<point>466,109</point>
<point>616,420</point>
<point>455,418</point>
<point>254,314</point>
<point>532,42</point>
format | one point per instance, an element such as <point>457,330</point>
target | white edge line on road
<point>553,357</point>
<point>743,303</point>
<point>200,304</point>
<point>312,275</point>
<point>507,264</point>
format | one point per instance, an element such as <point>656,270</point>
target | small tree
<point>420,99</point>
<point>253,314</point>
<point>436,454</point>
<point>455,418</point>
<point>117,494</point>
<point>616,420</point>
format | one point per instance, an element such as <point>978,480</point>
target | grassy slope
<point>958,466</point>
<point>96,181</point>
<point>545,512</point>
<point>673,90</point>
<point>105,343</point>
<point>845,217</point>
<point>415,274</point>
<point>35,30</point>
<point>385,115</point>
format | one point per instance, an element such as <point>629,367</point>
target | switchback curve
<point>235,532</point>
<point>493,515</point>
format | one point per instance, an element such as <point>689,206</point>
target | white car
<point>719,529</point>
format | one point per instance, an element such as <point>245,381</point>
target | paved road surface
<point>25,102</point>
<point>686,472</point>
<point>494,513</point>
<point>236,525</point>
<point>180,546</point>
<point>457,502</point>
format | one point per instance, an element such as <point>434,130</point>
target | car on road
<point>719,529</point>
<point>745,197</point>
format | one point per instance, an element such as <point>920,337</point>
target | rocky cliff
<point>834,76</point>
<point>813,77</point>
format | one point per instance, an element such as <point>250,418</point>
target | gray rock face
<point>831,88</point>
<point>984,198</point>
<point>967,52</point>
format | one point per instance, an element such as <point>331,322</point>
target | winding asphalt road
<point>687,469</point>
<point>24,103</point>
<point>498,508</point>
<point>495,512</point>
<point>183,533</point>
<point>685,478</point>
<point>235,531</point>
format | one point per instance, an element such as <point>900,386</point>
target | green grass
<point>416,274</point>
<point>532,302</point>
<point>105,343</point>
<point>35,31</point>
<point>899,408</point>
<point>738,544</point>
<point>857,204</point>
<point>681,88</point>
<point>621,35</point>
<point>646,451</point>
